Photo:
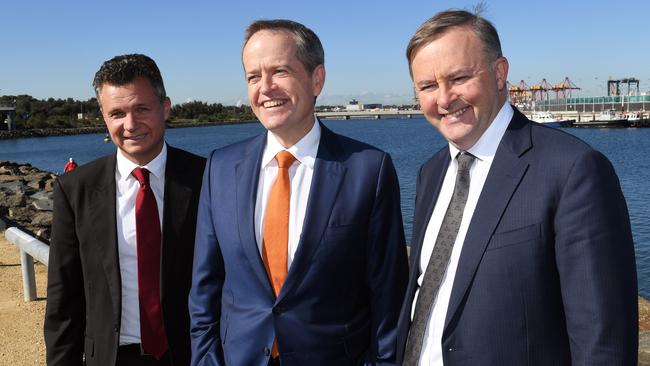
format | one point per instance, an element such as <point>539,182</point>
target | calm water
<point>410,142</point>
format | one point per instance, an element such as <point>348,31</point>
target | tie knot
<point>142,175</point>
<point>284,159</point>
<point>465,160</point>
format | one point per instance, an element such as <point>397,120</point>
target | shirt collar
<point>486,147</point>
<point>156,167</point>
<point>304,150</point>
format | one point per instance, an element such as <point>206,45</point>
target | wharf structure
<point>8,110</point>
<point>620,103</point>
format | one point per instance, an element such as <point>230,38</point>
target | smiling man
<point>300,255</point>
<point>123,234</point>
<point>522,252</point>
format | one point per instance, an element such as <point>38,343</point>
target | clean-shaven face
<point>281,91</point>
<point>458,86</point>
<point>135,118</point>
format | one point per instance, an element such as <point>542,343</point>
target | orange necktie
<point>276,223</point>
<point>276,228</point>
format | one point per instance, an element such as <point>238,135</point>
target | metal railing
<point>30,249</point>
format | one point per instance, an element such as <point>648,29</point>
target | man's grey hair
<point>440,23</point>
<point>309,50</point>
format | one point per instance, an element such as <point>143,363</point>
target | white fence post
<point>30,249</point>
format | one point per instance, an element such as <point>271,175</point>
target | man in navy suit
<point>334,297</point>
<point>541,269</point>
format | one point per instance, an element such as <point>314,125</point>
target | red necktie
<point>276,227</point>
<point>147,227</point>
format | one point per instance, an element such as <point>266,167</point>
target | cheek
<point>428,102</point>
<point>252,94</point>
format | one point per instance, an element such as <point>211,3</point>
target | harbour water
<point>409,141</point>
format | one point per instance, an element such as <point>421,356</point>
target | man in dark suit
<point>522,252</point>
<point>298,262</point>
<point>117,282</point>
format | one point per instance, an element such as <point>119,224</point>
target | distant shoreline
<point>47,132</point>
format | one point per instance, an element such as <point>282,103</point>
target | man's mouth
<point>136,137</point>
<point>273,103</point>
<point>456,114</point>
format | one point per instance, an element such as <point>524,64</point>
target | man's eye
<point>253,79</point>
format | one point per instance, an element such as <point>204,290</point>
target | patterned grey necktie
<point>439,260</point>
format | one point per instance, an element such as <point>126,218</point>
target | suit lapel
<point>325,185</point>
<point>176,202</point>
<point>103,212</point>
<point>247,172</point>
<point>506,172</point>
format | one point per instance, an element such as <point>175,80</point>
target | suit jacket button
<point>451,349</point>
<point>116,328</point>
<point>267,351</point>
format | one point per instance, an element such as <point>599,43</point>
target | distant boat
<point>107,138</point>
<point>549,119</point>
<point>635,119</point>
<point>606,118</point>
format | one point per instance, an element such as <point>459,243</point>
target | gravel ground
<point>21,323</point>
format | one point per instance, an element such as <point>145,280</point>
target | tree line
<point>71,113</point>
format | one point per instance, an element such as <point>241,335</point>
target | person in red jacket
<point>70,165</point>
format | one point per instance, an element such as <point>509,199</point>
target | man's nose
<point>445,96</point>
<point>267,84</point>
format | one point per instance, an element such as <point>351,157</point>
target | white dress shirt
<point>484,151</point>
<point>127,187</point>
<point>300,174</point>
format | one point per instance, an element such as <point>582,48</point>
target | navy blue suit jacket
<point>547,273</point>
<point>341,299</point>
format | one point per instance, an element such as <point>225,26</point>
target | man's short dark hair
<point>443,21</point>
<point>122,70</point>
<point>309,50</point>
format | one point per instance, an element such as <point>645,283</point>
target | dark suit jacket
<point>547,272</point>
<point>341,298</point>
<point>84,288</point>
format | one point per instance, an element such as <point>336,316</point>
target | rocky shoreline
<point>26,198</point>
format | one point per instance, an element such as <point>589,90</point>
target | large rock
<point>12,200</point>
<point>41,195</point>
<point>42,219</point>
<point>43,205</point>
<point>20,214</point>
<point>10,178</point>
<point>8,169</point>
<point>15,187</point>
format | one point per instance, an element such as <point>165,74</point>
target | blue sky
<point>53,48</point>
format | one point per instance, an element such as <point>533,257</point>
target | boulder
<point>10,178</point>
<point>41,195</point>
<point>12,200</point>
<point>26,168</point>
<point>42,219</point>
<point>43,204</point>
<point>20,214</point>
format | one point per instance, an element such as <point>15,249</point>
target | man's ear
<point>501,70</point>
<point>318,79</point>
